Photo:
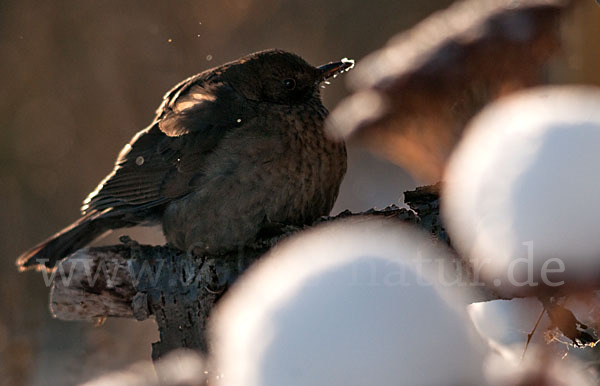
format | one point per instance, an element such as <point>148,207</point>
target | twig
<point>530,335</point>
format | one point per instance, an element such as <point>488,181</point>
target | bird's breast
<point>279,168</point>
<point>311,166</point>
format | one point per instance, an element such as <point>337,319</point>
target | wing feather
<point>161,161</point>
<point>139,174</point>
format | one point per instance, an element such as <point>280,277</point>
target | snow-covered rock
<point>522,190</point>
<point>351,303</point>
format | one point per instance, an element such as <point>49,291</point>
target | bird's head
<point>279,77</point>
<point>220,96</point>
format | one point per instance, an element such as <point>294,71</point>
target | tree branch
<point>179,290</point>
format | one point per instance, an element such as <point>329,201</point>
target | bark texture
<point>139,281</point>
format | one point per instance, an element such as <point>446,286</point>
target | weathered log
<point>179,289</point>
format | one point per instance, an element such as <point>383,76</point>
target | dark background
<point>79,78</point>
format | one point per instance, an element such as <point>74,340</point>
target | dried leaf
<point>416,95</point>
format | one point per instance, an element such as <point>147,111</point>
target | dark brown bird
<point>232,150</point>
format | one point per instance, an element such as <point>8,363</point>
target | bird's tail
<point>65,242</point>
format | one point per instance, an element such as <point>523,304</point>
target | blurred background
<point>81,77</point>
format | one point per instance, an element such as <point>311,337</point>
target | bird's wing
<point>147,173</point>
<point>201,103</point>
<point>161,162</point>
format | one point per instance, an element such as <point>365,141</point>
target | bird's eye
<point>289,83</point>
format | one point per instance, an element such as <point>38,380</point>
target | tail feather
<point>64,243</point>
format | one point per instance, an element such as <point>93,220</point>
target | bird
<point>232,151</point>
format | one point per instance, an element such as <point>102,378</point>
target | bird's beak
<point>330,69</point>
